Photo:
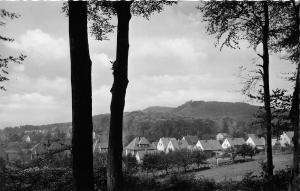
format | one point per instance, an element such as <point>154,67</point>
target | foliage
<point>246,150</point>
<point>131,164</point>
<point>6,60</point>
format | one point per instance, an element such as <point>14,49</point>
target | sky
<point>172,60</point>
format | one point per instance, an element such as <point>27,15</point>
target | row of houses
<point>140,146</point>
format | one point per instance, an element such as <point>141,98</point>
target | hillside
<point>159,109</point>
<point>217,110</point>
<point>203,119</point>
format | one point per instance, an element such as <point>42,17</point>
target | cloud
<point>47,55</point>
<point>41,45</point>
<point>32,108</point>
<point>174,90</point>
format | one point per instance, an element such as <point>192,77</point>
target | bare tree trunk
<point>118,90</point>
<point>82,141</point>
<point>294,184</point>
<point>295,110</point>
<point>267,89</point>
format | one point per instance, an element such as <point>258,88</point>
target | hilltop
<point>200,118</point>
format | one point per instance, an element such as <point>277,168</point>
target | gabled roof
<point>290,134</point>
<point>236,141</point>
<point>210,145</point>
<point>183,144</point>
<point>40,148</point>
<point>55,146</point>
<point>224,134</point>
<point>25,137</point>
<point>258,141</point>
<point>191,140</point>
<point>165,141</point>
<point>174,143</point>
<point>139,143</point>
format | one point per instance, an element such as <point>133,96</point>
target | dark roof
<point>191,140</point>
<point>290,134</point>
<point>211,145</point>
<point>236,141</point>
<point>258,141</point>
<point>139,143</point>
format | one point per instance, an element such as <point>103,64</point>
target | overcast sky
<point>171,60</point>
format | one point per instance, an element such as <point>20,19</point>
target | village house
<point>209,146</point>
<point>140,155</point>
<point>275,141</point>
<point>99,146</point>
<point>175,145</point>
<point>221,136</point>
<point>233,142</point>
<point>138,144</point>
<point>26,139</point>
<point>255,141</point>
<point>191,140</point>
<point>286,138</point>
<point>154,144</point>
<point>39,149</point>
<point>163,143</point>
<point>57,147</point>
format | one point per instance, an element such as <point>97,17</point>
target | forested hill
<point>216,110</point>
<point>203,119</point>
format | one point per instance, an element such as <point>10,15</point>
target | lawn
<point>237,171</point>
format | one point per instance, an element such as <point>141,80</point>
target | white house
<point>221,136</point>
<point>209,145</point>
<point>174,145</point>
<point>99,146</point>
<point>233,142</point>
<point>26,139</point>
<point>286,138</point>
<point>138,144</point>
<point>141,154</point>
<point>255,141</point>
<point>163,143</point>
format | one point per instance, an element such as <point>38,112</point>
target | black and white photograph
<point>149,95</point>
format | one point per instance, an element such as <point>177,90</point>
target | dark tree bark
<point>295,109</point>
<point>266,87</point>
<point>118,90</point>
<point>82,141</point>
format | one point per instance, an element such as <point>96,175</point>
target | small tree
<point>246,150</point>
<point>130,163</point>
<point>258,23</point>
<point>232,152</point>
<point>198,157</point>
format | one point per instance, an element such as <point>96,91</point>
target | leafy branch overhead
<point>6,60</point>
<point>233,22</point>
<point>100,14</point>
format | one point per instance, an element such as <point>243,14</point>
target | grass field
<point>237,171</point>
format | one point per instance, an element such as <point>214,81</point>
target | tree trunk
<point>294,180</point>
<point>82,141</point>
<point>118,90</point>
<point>267,89</point>
<point>295,110</point>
